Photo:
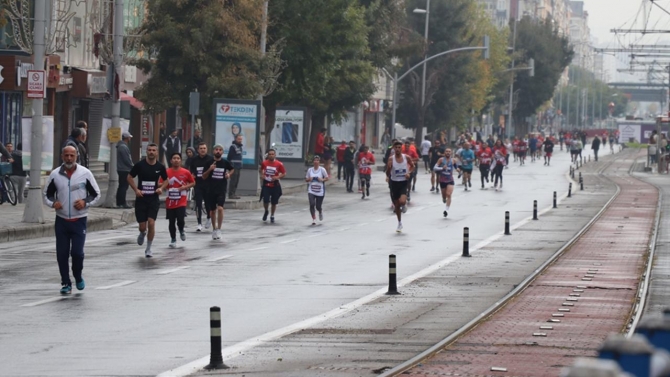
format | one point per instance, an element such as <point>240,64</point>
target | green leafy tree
<point>552,53</point>
<point>328,62</point>
<point>204,45</point>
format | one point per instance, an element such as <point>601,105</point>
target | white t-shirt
<point>425,147</point>
<point>315,187</point>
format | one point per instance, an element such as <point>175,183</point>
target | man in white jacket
<point>71,190</point>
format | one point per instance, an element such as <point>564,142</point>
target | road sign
<point>36,84</point>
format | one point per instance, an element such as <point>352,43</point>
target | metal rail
<point>505,300</point>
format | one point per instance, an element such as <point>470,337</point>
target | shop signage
<point>22,71</point>
<point>98,84</point>
<point>1,78</point>
<point>36,84</point>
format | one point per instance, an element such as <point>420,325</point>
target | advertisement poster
<point>47,142</point>
<point>344,130</point>
<point>628,131</point>
<point>105,146</point>
<point>288,134</point>
<point>233,118</point>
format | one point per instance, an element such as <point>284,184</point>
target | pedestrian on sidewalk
<point>123,167</point>
<point>340,160</point>
<point>235,155</point>
<point>595,145</point>
<point>197,139</point>
<point>148,172</point>
<point>71,190</point>
<point>18,176</point>
<point>349,157</point>
<point>172,144</point>
<point>320,141</point>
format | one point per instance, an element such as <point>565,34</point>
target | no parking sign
<point>36,87</point>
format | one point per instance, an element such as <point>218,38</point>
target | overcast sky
<point>605,15</point>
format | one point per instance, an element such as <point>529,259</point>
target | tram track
<point>637,308</point>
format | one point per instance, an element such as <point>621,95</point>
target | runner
<point>500,159</point>
<point>485,156</point>
<point>445,168</point>
<point>365,159</point>
<point>271,171</point>
<point>532,145</point>
<point>148,172</point>
<point>180,182</point>
<point>398,172</point>
<point>522,148</point>
<point>425,151</point>
<point>436,152</point>
<point>199,164</point>
<point>217,175</point>
<point>467,159</point>
<point>548,150</point>
<point>316,188</point>
<point>410,151</point>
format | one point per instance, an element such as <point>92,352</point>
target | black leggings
<point>173,230</point>
<point>349,174</point>
<point>484,172</point>
<point>497,173</point>
<point>315,202</point>
<point>199,196</point>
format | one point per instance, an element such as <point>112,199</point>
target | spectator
<point>340,160</point>
<point>124,165</point>
<point>328,153</point>
<point>162,136</point>
<point>172,144</point>
<point>349,157</point>
<point>235,154</point>
<point>197,139</point>
<point>320,141</point>
<point>18,176</point>
<point>595,145</point>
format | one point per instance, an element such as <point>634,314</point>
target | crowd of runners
<point>208,175</point>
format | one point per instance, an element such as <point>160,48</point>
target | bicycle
<point>7,189</point>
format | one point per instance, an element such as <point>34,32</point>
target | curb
<point>47,229</point>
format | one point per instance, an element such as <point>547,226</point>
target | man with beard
<point>200,163</point>
<point>235,154</point>
<point>148,172</point>
<point>71,190</point>
<point>217,175</point>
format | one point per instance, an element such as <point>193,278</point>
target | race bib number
<point>198,172</point>
<point>218,173</point>
<point>400,172</point>
<point>270,172</point>
<point>174,194</point>
<point>148,188</point>
<point>316,188</point>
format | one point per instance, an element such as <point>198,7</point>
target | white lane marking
<point>165,272</point>
<point>289,241</point>
<point>43,302</point>
<point>259,248</point>
<point>343,229</point>
<point>117,285</point>
<point>219,258</point>
<point>380,220</point>
<point>420,209</point>
<point>315,235</point>
<point>362,224</point>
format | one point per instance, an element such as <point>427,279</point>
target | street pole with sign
<point>33,213</point>
<point>193,109</point>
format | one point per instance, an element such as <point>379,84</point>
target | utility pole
<point>34,213</point>
<point>511,87</point>
<point>425,36</point>
<point>117,48</point>
<point>264,32</point>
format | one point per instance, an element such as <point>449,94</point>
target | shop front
<point>57,103</point>
<point>89,90</point>
<point>13,79</point>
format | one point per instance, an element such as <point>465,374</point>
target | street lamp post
<point>425,36</point>
<point>511,87</point>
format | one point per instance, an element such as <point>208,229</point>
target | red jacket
<point>318,149</point>
<point>340,152</point>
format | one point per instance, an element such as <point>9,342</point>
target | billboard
<point>105,145</point>
<point>288,134</point>
<point>238,117</point>
<point>47,142</point>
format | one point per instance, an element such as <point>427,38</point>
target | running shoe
<point>413,188</point>
<point>148,253</point>
<point>444,213</point>
<point>470,183</point>
<point>363,196</point>
<point>66,289</point>
<point>173,243</point>
<point>399,228</point>
<point>320,216</point>
<point>81,285</point>
<point>208,223</point>
<point>482,187</point>
<point>367,191</point>
<point>182,235</point>
<point>272,219</point>
<point>403,209</point>
<point>199,228</point>
<point>444,200</point>
<point>432,189</point>
<point>140,238</point>
<point>313,221</point>
<point>214,235</point>
<point>265,215</point>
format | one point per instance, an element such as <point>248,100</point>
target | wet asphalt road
<point>142,316</point>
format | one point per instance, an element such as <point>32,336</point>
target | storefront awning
<point>134,102</point>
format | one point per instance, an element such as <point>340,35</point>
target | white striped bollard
<point>393,285</point>
<point>466,242</point>
<point>215,359</point>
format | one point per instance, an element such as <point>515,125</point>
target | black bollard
<point>555,205</point>
<point>215,359</point>
<point>581,183</point>
<point>466,242</point>
<point>570,190</point>
<point>507,232</point>
<point>589,158</point>
<point>393,286</point>
<point>535,210</point>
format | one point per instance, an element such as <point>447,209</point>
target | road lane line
<point>259,248</point>
<point>165,272</point>
<point>289,241</point>
<point>43,302</point>
<point>117,285</point>
<point>219,258</point>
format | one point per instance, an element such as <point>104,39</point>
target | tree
<point>328,62</point>
<point>204,45</point>
<point>540,41</point>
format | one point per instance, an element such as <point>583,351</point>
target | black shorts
<point>215,199</point>
<point>175,213</point>
<point>366,177</point>
<point>272,194</point>
<point>398,189</point>
<point>425,158</point>
<point>444,185</point>
<point>464,170</point>
<point>146,208</point>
